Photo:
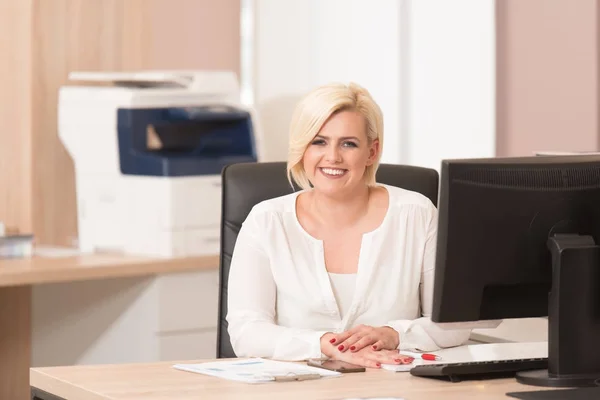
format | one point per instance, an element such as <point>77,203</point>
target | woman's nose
<point>333,154</point>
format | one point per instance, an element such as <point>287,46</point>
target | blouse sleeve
<point>251,303</point>
<point>422,334</point>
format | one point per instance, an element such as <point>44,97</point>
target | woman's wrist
<point>326,347</point>
<point>394,335</point>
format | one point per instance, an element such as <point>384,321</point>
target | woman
<point>344,267</point>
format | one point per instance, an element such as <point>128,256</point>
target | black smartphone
<point>335,365</point>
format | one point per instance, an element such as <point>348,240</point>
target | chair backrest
<point>247,184</point>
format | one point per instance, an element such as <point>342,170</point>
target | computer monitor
<point>518,237</point>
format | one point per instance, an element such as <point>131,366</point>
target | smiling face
<point>336,159</point>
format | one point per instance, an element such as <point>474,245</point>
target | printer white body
<point>148,150</point>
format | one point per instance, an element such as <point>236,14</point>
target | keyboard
<point>476,370</point>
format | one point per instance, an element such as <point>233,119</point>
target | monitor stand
<point>573,315</point>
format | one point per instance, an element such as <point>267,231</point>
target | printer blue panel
<point>193,140</point>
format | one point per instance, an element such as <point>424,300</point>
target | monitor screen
<point>495,218</point>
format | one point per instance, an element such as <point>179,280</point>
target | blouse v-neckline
<point>364,269</point>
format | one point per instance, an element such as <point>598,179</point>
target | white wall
<point>302,44</point>
<point>450,75</point>
<point>428,63</point>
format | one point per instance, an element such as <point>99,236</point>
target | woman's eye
<point>318,142</point>
<point>350,144</point>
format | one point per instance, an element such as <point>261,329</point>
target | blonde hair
<point>315,109</point>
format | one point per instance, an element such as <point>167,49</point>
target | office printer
<point>148,149</point>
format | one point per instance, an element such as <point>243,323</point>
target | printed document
<point>257,370</point>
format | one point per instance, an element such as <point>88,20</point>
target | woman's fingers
<point>388,357</point>
<point>352,336</point>
<point>357,333</point>
<point>373,359</point>
<point>361,336</point>
<point>379,345</point>
<point>358,359</point>
<point>369,362</point>
<point>339,338</point>
<point>394,352</point>
<point>383,344</point>
<point>365,341</point>
<point>385,358</point>
<point>350,343</point>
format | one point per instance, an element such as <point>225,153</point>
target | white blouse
<point>343,286</point>
<point>280,298</point>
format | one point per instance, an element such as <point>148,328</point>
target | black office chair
<point>247,184</point>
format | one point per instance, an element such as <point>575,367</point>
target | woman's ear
<point>373,152</point>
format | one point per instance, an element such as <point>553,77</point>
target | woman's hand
<point>326,344</point>
<point>361,336</point>
<point>370,358</point>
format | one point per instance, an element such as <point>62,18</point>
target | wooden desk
<point>18,275</point>
<point>159,381</point>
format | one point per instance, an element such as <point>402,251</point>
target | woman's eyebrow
<point>342,138</point>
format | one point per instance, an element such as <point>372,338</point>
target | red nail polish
<point>397,360</point>
<point>352,348</point>
<point>341,347</point>
<point>332,340</point>
<point>378,364</point>
<point>374,347</point>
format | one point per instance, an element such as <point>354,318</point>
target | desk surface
<point>36,270</point>
<point>159,381</point>
<point>514,330</point>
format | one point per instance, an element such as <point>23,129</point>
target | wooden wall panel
<point>194,34</point>
<point>107,35</point>
<point>70,35</point>
<point>15,114</point>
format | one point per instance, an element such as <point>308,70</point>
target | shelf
<point>36,270</point>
